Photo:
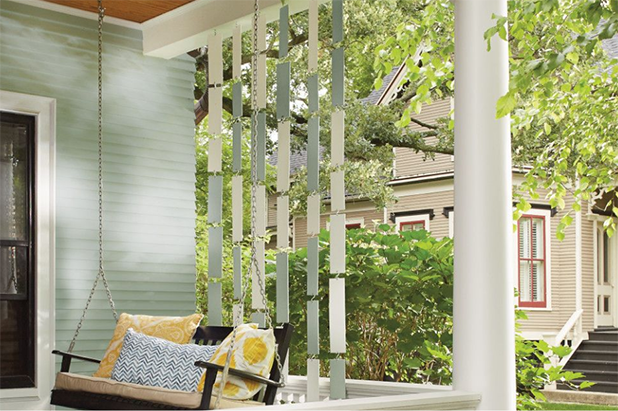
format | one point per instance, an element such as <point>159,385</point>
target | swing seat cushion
<point>254,352</point>
<point>105,386</point>
<point>179,330</point>
<point>156,362</point>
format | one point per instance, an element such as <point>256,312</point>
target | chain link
<point>101,271</point>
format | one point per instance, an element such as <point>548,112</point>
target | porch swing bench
<point>103,394</point>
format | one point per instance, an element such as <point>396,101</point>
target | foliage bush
<point>398,304</point>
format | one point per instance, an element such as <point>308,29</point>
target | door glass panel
<point>600,256</point>
<point>16,350</point>
<point>605,258</point>
<point>606,304</point>
<point>14,184</point>
<point>13,271</point>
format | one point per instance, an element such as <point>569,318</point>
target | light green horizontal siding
<point>149,166</point>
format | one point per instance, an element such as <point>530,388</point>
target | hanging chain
<point>101,271</point>
<point>254,183</point>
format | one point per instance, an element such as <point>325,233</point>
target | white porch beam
<point>483,335</point>
<point>188,27</point>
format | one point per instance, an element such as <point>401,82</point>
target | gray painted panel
<point>313,153</point>
<point>284,14</point>
<point>261,146</point>
<point>313,88</point>
<point>313,327</point>
<point>313,254</point>
<point>283,90</point>
<point>337,379</point>
<point>283,288</point>
<point>237,257</point>
<point>338,76</point>
<point>237,99</point>
<point>337,21</point>
<point>215,252</point>
<point>215,198</point>
<point>237,146</point>
<point>215,312</point>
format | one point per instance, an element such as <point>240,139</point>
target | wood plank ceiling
<point>137,11</point>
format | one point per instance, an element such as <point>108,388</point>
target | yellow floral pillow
<point>179,330</point>
<point>254,352</point>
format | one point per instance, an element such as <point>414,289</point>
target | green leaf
<point>506,104</point>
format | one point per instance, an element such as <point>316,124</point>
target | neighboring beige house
<point>560,283</point>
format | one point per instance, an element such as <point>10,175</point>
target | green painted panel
<point>313,155</point>
<point>237,257</point>
<point>338,77</point>
<point>313,327</point>
<point>215,313</point>
<point>313,255</point>
<point>337,379</point>
<point>283,90</point>
<point>149,166</point>
<point>215,252</point>
<point>237,147</point>
<point>215,198</point>
<point>237,99</point>
<point>284,15</point>
<point>314,97</point>
<point>337,21</point>
<point>283,288</point>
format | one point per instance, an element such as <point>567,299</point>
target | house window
<point>17,265</point>
<point>412,225</point>
<point>353,226</point>
<point>532,261</point>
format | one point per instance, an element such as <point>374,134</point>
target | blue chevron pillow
<point>152,361</point>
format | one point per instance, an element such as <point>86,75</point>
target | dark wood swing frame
<point>208,335</point>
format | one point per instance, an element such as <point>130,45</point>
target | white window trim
<point>451,224</point>
<point>409,218</point>
<point>548,240</point>
<point>44,110</point>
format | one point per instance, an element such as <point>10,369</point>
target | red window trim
<point>532,304</point>
<point>403,223</point>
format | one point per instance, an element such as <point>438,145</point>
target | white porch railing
<point>374,395</point>
<point>572,330</point>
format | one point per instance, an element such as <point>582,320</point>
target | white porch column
<point>484,346</point>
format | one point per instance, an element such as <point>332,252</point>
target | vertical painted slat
<point>215,198</point>
<point>237,208</point>
<point>260,211</point>
<point>337,244</point>
<point>215,59</point>
<point>337,379</point>
<point>256,296</point>
<point>283,90</point>
<point>215,110</point>
<point>337,21</point>
<point>313,327</point>
<point>215,314</point>
<point>215,252</point>
<point>313,155</point>
<point>313,92</point>
<point>338,77</point>
<point>313,214</point>
<point>336,313</point>
<point>337,138</point>
<point>283,221</point>
<point>313,35</point>
<point>337,190</point>
<point>283,284</point>
<point>313,258</point>
<point>237,99</point>
<point>313,380</point>
<point>214,155</point>
<point>238,311</point>
<point>261,146</point>
<point>284,14</point>
<point>237,257</point>
<point>259,317</point>
<point>237,53</point>
<point>283,157</point>
<point>237,147</point>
